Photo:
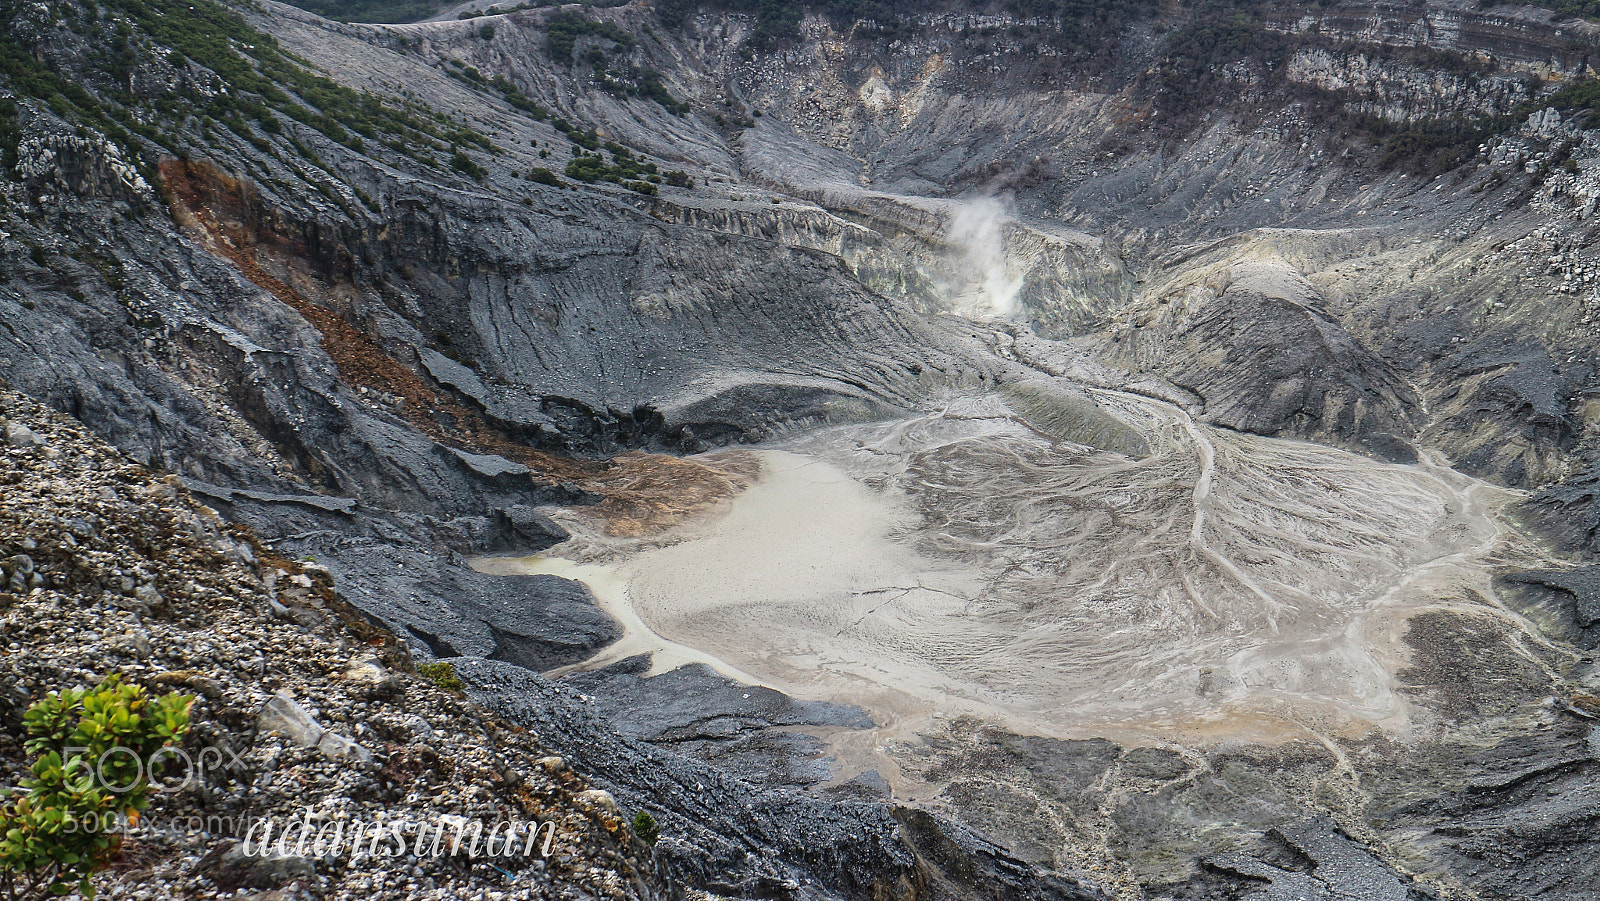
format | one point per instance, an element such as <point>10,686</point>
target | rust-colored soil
<point>643,493</point>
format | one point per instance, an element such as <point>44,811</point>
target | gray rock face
<point>488,465</point>
<point>286,717</point>
<point>1263,357</point>
<point>542,622</point>
<point>1317,864</point>
<point>1570,510</point>
<point>523,528</point>
<point>1575,594</point>
<point>743,840</point>
<point>19,435</point>
<point>699,713</point>
<point>1535,796</point>
<point>394,571</point>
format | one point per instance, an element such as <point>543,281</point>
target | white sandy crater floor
<point>1226,587</point>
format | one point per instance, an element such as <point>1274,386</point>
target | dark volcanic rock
<point>1503,675</point>
<point>1264,358</point>
<point>1503,391</point>
<point>700,713</point>
<point>1524,825</point>
<point>390,568</point>
<point>366,353</point>
<point>727,835</point>
<point>540,622</point>
<point>1574,593</point>
<point>1569,511</point>
<point>522,528</point>
<point>1313,861</point>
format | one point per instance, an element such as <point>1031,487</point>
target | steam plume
<point>977,231</point>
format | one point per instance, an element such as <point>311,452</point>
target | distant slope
<point>372,10</point>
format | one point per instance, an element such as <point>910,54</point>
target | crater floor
<point>1225,587</point>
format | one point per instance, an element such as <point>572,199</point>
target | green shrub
<point>265,83</point>
<point>624,169</point>
<point>464,164</point>
<point>54,837</point>
<point>589,169</point>
<point>650,86</point>
<point>644,826</point>
<point>562,31</point>
<point>441,674</point>
<point>543,176</point>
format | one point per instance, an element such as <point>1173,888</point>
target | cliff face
<point>1522,38</point>
<point>303,714</point>
<point>873,148</point>
<point>383,315</point>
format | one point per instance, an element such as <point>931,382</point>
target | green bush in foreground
<point>55,835</point>
<point>441,674</point>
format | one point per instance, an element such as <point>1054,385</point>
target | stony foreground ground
<point>301,706</point>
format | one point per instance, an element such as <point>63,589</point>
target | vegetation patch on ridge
<point>225,74</point>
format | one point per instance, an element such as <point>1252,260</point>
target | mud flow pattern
<point>1226,585</point>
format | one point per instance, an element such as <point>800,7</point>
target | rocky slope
<point>303,710</point>
<point>383,316</point>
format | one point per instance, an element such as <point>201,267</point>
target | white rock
<point>286,717</point>
<point>19,435</point>
<point>598,798</point>
<point>367,670</point>
<point>338,747</point>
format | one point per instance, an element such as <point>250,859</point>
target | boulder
<point>287,718</point>
<point>19,435</point>
<point>230,868</point>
